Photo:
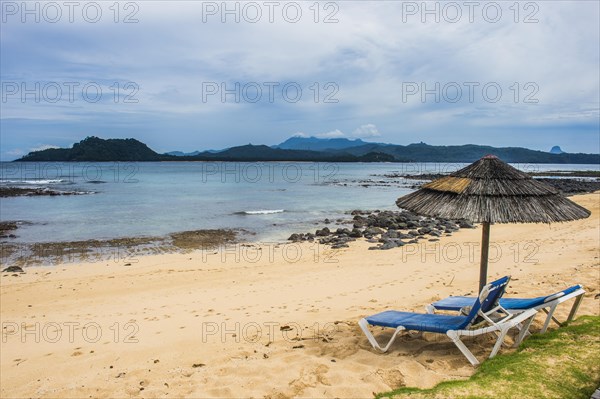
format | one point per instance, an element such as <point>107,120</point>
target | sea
<point>266,200</point>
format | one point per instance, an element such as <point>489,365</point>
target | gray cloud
<point>352,74</point>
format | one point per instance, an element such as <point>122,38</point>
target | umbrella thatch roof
<point>490,190</point>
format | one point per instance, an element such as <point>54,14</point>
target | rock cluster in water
<point>573,186</point>
<point>388,229</point>
<point>36,192</point>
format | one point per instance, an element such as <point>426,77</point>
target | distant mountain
<point>422,152</point>
<point>94,149</point>
<point>265,153</point>
<point>317,144</point>
<point>556,150</point>
<point>98,150</point>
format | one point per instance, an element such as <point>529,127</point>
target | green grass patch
<point>563,363</point>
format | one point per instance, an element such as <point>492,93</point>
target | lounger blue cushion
<point>458,302</point>
<point>454,302</point>
<point>419,322</point>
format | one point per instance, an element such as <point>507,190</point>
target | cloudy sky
<point>196,75</point>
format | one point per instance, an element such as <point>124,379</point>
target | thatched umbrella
<point>491,191</point>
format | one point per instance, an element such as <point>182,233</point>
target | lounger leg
<point>364,325</point>
<point>548,318</point>
<point>430,309</point>
<point>453,335</point>
<point>524,330</point>
<point>575,308</point>
<point>499,341</point>
<point>520,328</point>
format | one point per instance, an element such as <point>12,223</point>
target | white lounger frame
<point>551,304</point>
<point>547,307</point>
<point>501,328</point>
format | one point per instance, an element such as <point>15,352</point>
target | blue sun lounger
<point>484,309</point>
<point>547,304</point>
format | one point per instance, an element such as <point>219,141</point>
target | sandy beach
<point>269,320</point>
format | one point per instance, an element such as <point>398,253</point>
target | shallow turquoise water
<point>153,199</point>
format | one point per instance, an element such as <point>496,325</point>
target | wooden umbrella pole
<point>485,246</point>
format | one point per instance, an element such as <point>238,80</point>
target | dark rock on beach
<point>371,231</point>
<point>296,237</point>
<point>13,269</point>
<point>389,229</point>
<point>465,224</point>
<point>344,230</point>
<point>355,233</point>
<point>323,232</point>
<point>301,237</point>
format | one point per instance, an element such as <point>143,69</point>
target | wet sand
<point>124,250</point>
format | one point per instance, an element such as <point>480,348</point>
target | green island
<point>94,149</point>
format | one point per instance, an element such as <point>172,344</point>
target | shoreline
<point>337,233</point>
<point>382,229</point>
<point>213,323</point>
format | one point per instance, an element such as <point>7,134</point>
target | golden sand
<point>278,322</point>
